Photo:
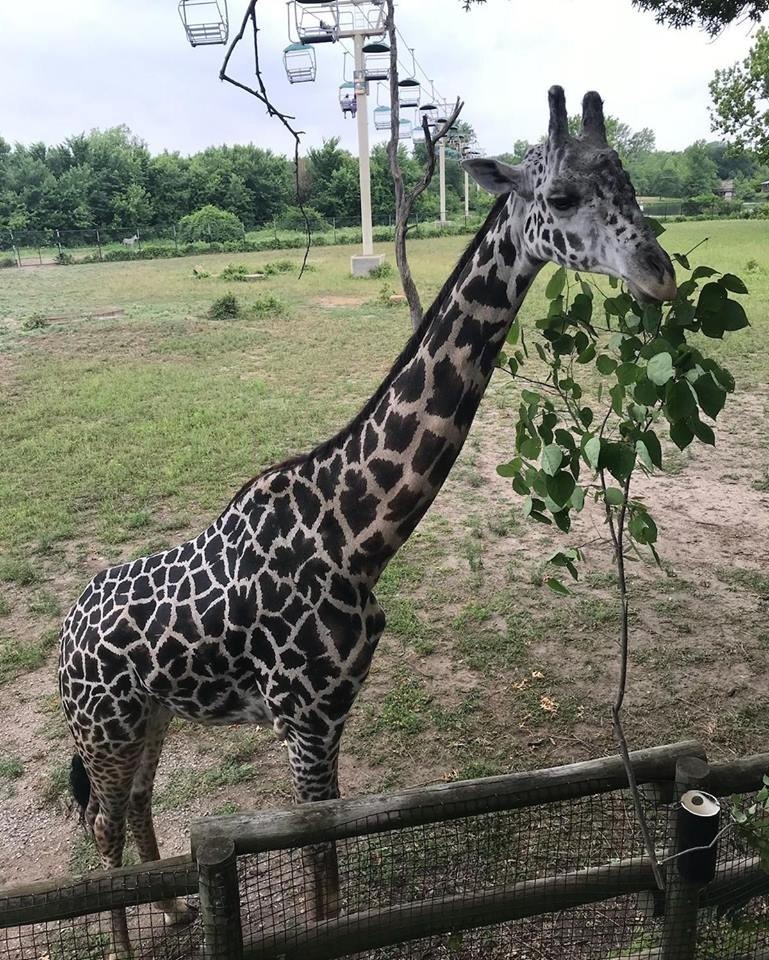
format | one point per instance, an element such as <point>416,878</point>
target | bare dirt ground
<point>483,669</point>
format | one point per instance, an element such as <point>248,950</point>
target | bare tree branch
<point>263,97</point>
<point>405,199</point>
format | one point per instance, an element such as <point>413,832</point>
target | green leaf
<point>680,400</point>
<point>701,271</point>
<point>681,434</point>
<point>562,520</point>
<point>552,457</point>
<point>732,283</point>
<point>614,496</point>
<point>645,392</point>
<point>655,226</point>
<point>734,316</point>
<point>587,354</point>
<point>710,395</point>
<point>660,369</point>
<point>578,498</point>
<point>702,431</point>
<point>586,416</point>
<point>582,308</point>
<point>560,487</point>
<point>530,397</point>
<point>593,452</point>
<point>643,454</point>
<point>606,364</point>
<point>642,528</point>
<point>565,439</point>
<point>520,486</point>
<point>617,458</point>
<point>557,587</point>
<point>530,448</point>
<point>652,443</point>
<point>626,373</point>
<point>617,394</point>
<point>556,284</point>
<point>509,469</point>
<point>682,259</point>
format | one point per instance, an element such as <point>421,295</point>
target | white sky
<point>70,65</point>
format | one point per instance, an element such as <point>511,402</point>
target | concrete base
<point>362,266</point>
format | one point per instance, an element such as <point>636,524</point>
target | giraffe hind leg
<point>176,910</point>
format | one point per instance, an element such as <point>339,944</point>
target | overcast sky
<point>70,65</point>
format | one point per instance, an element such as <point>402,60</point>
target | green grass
<point>120,435</point>
<point>21,656</point>
<point>11,768</point>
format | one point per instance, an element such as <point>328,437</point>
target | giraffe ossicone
<point>269,615</point>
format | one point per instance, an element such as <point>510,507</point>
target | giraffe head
<point>580,208</point>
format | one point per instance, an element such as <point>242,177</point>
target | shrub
<point>292,219</point>
<point>7,262</point>
<point>211,224</point>
<point>234,271</point>
<point>36,322</point>
<point>268,306</point>
<point>224,308</point>
<point>381,272</point>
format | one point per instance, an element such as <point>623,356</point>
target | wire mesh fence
<point>548,866</point>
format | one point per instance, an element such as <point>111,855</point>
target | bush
<point>211,224</point>
<point>7,262</point>
<point>381,272</point>
<point>36,322</point>
<point>65,259</point>
<point>224,308</point>
<point>268,306</point>
<point>292,219</point>
<point>278,266</point>
<point>235,271</point>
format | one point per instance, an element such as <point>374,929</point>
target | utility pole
<point>362,265</point>
<point>442,176</point>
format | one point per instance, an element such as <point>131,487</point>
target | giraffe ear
<point>497,177</point>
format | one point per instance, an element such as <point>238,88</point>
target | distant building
<point>765,186</point>
<point>725,189</point>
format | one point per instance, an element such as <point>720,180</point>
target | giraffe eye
<point>564,201</point>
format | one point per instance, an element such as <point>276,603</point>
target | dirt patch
<point>342,301</point>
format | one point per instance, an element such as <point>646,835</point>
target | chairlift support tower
<point>326,21</point>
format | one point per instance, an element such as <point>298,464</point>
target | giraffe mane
<point>407,354</point>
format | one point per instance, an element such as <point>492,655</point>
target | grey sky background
<point>70,65</point>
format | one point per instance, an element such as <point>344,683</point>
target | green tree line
<point>109,178</point>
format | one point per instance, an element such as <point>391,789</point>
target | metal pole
<point>361,98</point>
<point>442,159</point>
<point>467,196</point>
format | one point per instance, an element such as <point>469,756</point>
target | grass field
<point>126,432</point>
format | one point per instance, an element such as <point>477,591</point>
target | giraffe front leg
<point>314,772</point>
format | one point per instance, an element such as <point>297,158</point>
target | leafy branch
<point>652,375</point>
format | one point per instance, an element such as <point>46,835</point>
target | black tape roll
<point>699,816</point>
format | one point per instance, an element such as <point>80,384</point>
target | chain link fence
<point>547,865</point>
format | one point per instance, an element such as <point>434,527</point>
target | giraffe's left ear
<point>497,177</point>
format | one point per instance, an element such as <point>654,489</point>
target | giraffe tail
<point>79,783</point>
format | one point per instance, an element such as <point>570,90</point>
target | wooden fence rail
<point>215,877</point>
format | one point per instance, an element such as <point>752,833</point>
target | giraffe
<point>269,615</point>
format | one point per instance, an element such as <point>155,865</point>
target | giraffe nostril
<point>657,263</point>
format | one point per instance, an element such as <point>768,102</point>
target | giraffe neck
<point>394,458</point>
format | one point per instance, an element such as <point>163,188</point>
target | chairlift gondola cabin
<point>317,21</point>
<point>300,63</point>
<point>376,64</point>
<point>382,118</point>
<point>409,93</point>
<point>206,22</point>
<point>405,129</point>
<point>347,99</point>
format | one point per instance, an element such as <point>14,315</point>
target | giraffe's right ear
<point>496,176</point>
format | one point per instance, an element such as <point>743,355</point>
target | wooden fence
<point>212,870</point>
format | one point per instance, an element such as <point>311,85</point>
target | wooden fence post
<point>682,894</point>
<point>219,899</point>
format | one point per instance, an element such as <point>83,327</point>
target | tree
<point>629,144</point>
<point>741,99</point>
<point>713,15</point>
<point>210,224</point>
<point>701,173</point>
